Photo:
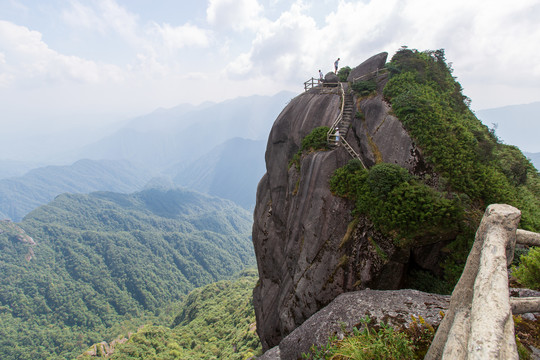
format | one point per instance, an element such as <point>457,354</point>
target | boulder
<point>395,308</point>
<point>331,78</point>
<point>369,66</point>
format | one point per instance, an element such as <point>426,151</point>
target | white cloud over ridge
<point>241,44</point>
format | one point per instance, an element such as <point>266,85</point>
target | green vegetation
<point>314,141</point>
<point>364,88</point>
<point>343,73</point>
<point>428,101</point>
<point>528,272</point>
<point>216,322</point>
<point>467,167</point>
<point>378,342</point>
<point>105,263</point>
<point>395,202</point>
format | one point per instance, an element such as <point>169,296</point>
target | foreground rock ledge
<point>394,307</point>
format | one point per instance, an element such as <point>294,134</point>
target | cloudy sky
<point>96,61</point>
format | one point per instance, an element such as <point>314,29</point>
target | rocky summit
<point>309,248</point>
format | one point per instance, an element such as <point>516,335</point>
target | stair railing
<point>311,83</point>
<point>332,131</point>
<point>333,135</point>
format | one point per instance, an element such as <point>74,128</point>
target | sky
<point>89,63</point>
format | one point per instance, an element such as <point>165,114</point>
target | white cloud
<point>281,49</point>
<point>240,67</point>
<point>26,56</point>
<point>487,41</point>
<point>119,19</point>
<point>105,17</point>
<point>5,77</point>
<point>244,45</point>
<point>235,14</point>
<point>80,15</point>
<point>182,36</point>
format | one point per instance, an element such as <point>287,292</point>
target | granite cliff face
<point>309,248</point>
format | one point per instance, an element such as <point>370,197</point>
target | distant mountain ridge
<point>168,137</point>
<point>231,171</point>
<point>182,143</point>
<point>12,168</point>
<point>20,195</point>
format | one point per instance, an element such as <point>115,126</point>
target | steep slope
<point>103,258</point>
<point>230,171</point>
<point>20,195</point>
<point>215,321</point>
<point>324,226</point>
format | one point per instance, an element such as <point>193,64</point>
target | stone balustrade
<point>479,323</point>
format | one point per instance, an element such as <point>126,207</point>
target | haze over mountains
<point>166,139</point>
<point>211,148</point>
<point>20,195</point>
<point>515,125</point>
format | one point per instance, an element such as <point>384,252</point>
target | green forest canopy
<point>214,322</point>
<point>105,258</point>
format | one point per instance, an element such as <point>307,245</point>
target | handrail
<point>331,132</point>
<point>479,323</point>
<point>310,83</point>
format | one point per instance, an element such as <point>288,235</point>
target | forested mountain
<point>20,195</point>
<point>231,171</point>
<point>216,321</point>
<point>73,270</point>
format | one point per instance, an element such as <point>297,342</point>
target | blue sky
<point>80,62</point>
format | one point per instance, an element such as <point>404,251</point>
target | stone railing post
<point>478,323</point>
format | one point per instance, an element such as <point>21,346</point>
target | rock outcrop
<point>331,78</point>
<point>393,307</point>
<point>309,248</point>
<point>368,67</point>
